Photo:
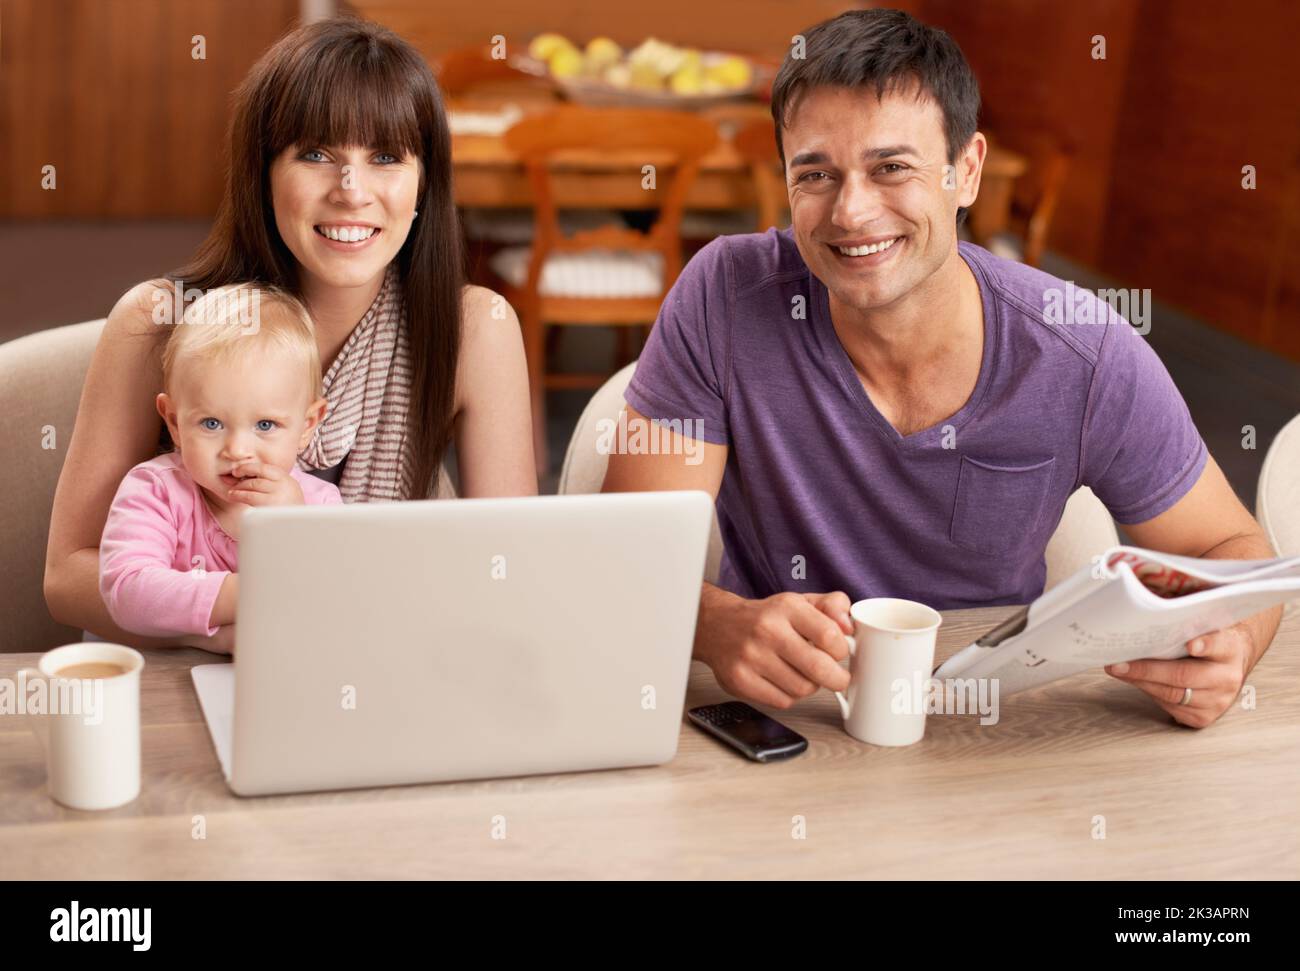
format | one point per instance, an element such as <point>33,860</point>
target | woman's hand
<point>265,485</point>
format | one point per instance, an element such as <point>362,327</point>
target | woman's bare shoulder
<point>141,311</point>
<point>490,338</point>
<point>478,302</point>
<point>486,318</point>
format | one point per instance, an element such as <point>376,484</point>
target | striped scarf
<point>368,390</point>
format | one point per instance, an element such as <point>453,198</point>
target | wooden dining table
<point>487,175</point>
<point>1082,778</point>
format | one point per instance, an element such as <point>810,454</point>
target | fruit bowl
<point>653,75</point>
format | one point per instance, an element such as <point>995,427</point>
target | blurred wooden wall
<point>1189,93</point>
<point>108,92</point>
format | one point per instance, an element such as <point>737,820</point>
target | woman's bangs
<point>346,101</point>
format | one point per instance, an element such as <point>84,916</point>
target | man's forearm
<point>1263,625</point>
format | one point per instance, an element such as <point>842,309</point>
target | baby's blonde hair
<point>228,321</point>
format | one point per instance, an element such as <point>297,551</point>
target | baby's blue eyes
<point>212,424</point>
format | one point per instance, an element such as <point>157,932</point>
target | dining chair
<point>756,144</point>
<point>473,81</point>
<point>1277,498</point>
<point>43,375</point>
<point>610,275</point>
<point>750,134</point>
<point>1034,199</point>
<point>469,70</point>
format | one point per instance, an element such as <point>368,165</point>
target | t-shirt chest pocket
<point>998,505</point>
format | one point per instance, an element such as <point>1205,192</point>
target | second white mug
<point>892,650</point>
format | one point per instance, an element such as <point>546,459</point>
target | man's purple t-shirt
<point>821,493</point>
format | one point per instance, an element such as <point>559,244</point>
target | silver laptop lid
<point>393,643</point>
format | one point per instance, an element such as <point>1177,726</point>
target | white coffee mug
<point>88,727</point>
<point>892,651</point>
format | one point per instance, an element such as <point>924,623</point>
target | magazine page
<point>1173,575</point>
<point>1122,619</point>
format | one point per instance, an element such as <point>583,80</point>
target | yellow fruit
<point>602,52</point>
<point>543,46</point>
<point>733,72</point>
<point>565,63</point>
<point>687,81</point>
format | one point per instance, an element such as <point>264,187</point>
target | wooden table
<point>488,175</point>
<point>1016,799</point>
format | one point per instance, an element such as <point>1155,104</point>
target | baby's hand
<point>265,485</point>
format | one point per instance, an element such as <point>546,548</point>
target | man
<point>883,411</point>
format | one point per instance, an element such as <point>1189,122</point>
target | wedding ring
<point>1187,696</point>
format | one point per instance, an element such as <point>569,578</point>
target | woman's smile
<point>346,237</point>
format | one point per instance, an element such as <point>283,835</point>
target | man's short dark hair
<point>887,49</point>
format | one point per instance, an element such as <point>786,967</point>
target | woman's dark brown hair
<point>346,81</point>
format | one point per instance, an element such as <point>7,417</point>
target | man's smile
<point>877,251</point>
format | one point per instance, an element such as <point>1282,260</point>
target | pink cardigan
<point>163,555</point>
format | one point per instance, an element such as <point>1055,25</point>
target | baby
<point>241,397</point>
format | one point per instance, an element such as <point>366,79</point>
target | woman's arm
<point>117,427</point>
<point>494,424</point>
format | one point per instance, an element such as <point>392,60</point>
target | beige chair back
<point>1085,530</point>
<point>1277,500</point>
<point>40,386</point>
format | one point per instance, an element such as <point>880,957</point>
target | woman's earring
<point>416,213</point>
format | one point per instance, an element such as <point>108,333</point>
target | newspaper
<point>1129,603</point>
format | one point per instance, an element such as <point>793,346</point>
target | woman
<point>339,190</point>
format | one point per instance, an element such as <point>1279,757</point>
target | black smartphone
<point>760,738</point>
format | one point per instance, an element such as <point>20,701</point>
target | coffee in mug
<point>91,669</point>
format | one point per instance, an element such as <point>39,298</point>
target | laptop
<point>394,643</point>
